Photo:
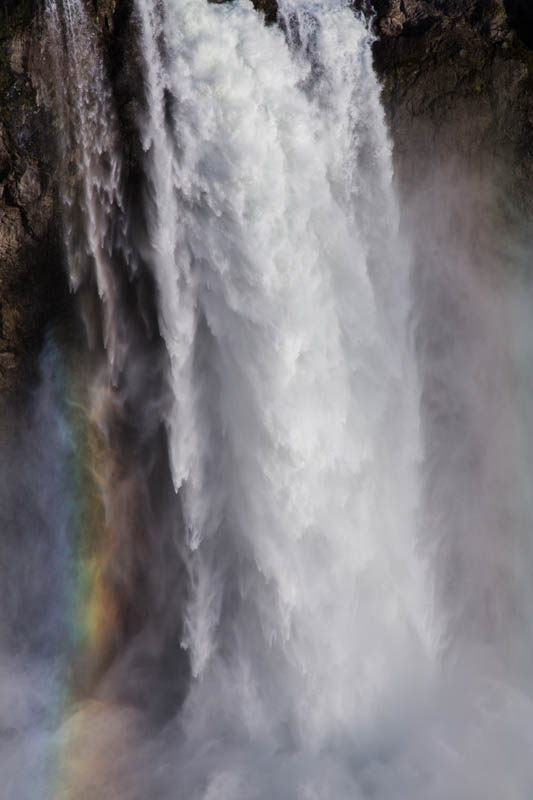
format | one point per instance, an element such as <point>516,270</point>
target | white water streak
<point>89,157</point>
<point>294,433</point>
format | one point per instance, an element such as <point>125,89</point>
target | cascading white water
<point>294,617</point>
<point>90,159</point>
<point>294,433</point>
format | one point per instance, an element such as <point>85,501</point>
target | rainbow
<point>91,592</point>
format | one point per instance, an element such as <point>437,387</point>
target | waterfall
<point>117,395</point>
<point>89,156</point>
<point>293,432</point>
<point>250,516</point>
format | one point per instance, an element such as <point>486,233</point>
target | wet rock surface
<point>33,288</point>
<point>458,79</point>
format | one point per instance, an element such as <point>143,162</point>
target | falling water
<point>293,432</point>
<point>124,521</point>
<point>88,154</point>
<point>258,569</point>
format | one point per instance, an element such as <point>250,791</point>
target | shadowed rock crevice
<point>520,13</point>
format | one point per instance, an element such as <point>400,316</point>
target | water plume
<point>282,481</point>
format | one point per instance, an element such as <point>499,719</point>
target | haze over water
<point>276,528</point>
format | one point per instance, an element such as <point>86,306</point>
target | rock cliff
<point>34,290</point>
<point>32,283</point>
<point>458,79</point>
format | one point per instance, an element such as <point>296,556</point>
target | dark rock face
<point>520,14</point>
<point>34,291</point>
<point>269,8</point>
<point>458,78</point>
<point>32,283</point>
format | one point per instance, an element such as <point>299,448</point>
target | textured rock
<point>29,188</point>
<point>19,49</point>
<point>33,287</point>
<point>34,292</point>
<point>269,8</point>
<point>457,79</point>
<point>105,14</point>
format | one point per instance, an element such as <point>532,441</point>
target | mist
<point>266,525</point>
